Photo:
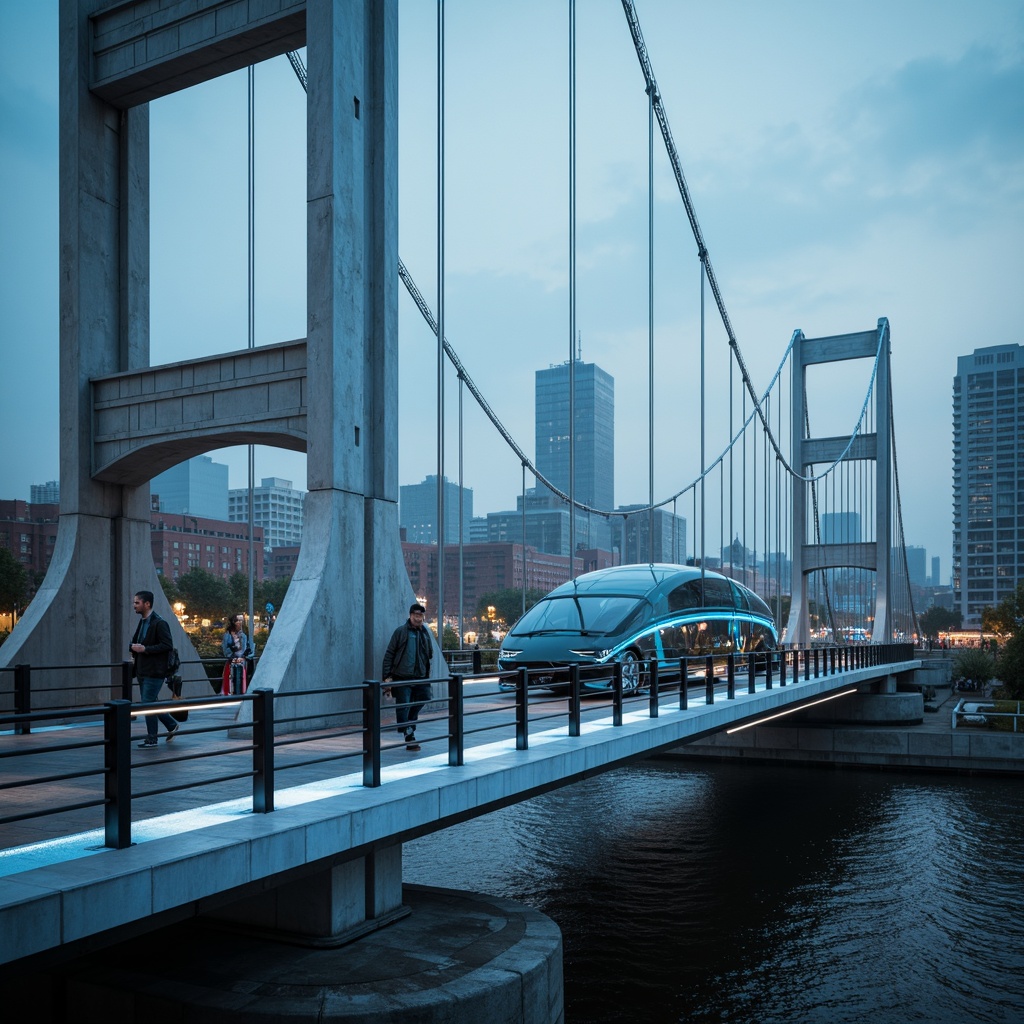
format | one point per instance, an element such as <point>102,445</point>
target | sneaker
<point>171,733</point>
<point>147,743</point>
<point>412,746</point>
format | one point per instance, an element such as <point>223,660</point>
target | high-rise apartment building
<point>277,507</point>
<point>417,511</point>
<point>196,487</point>
<point>593,439</point>
<point>45,494</point>
<point>988,478</point>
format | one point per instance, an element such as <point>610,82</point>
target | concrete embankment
<point>907,730</point>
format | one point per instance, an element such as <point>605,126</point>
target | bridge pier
<point>329,908</point>
<point>457,957</point>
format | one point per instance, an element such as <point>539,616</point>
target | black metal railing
<point>358,728</point>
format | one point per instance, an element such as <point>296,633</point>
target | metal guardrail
<point>984,710</point>
<point>361,729</point>
<point>25,698</point>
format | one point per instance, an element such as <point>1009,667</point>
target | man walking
<point>407,660</point>
<point>150,647</point>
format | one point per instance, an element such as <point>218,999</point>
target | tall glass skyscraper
<point>594,437</point>
<point>417,511</point>
<point>988,478</point>
<point>198,487</point>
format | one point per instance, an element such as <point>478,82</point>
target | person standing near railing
<point>236,648</point>
<point>150,647</point>
<point>406,663</point>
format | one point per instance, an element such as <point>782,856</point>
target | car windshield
<point>593,613</point>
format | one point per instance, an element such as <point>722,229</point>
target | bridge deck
<point>188,852</point>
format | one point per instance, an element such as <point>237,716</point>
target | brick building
<point>182,542</point>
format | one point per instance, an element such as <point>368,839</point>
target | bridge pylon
<point>335,394</point>
<point>809,553</point>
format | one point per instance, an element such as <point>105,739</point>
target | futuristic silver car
<point>632,614</point>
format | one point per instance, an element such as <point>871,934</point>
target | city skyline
<point>890,188</point>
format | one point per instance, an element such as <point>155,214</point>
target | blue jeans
<point>410,695</point>
<point>149,693</point>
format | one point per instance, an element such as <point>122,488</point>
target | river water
<point>740,893</point>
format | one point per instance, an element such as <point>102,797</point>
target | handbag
<point>175,685</point>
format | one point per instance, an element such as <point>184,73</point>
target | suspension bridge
<point>791,512</point>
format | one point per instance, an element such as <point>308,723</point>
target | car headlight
<point>506,654</point>
<point>597,655</point>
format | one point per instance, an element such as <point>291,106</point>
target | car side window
<point>685,596</point>
<point>717,593</point>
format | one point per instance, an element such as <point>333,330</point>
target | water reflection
<point>742,893</point>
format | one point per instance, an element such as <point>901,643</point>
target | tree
<point>13,583</point>
<point>272,592</point>
<point>238,586</point>
<point>1008,615</point>
<point>170,589</point>
<point>507,605</point>
<point>206,596</point>
<point>939,620</point>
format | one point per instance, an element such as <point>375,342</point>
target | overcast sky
<point>847,162</point>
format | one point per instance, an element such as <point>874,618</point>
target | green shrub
<point>973,668</point>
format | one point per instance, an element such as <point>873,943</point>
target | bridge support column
<point>103,553</point>
<point>329,908</point>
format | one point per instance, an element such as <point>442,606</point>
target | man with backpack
<point>150,647</point>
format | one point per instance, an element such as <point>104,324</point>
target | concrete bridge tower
<point>333,394</point>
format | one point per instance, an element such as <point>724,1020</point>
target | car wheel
<point>632,673</point>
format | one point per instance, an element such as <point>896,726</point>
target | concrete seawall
<point>906,730</point>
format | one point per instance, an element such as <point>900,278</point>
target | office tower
<point>916,565</point>
<point>45,494</point>
<point>631,536</point>
<point>936,582</point>
<point>277,507</point>
<point>988,478</point>
<point>417,511</point>
<point>840,527</point>
<point>196,487</point>
<point>594,440</point>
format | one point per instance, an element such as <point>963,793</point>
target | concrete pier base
<point>458,957</point>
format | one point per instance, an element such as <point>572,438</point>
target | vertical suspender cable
<point>252,326</point>
<point>462,511</point>
<point>572,290</point>
<point>702,428</point>
<point>650,320</point>
<point>440,323</point>
<point>524,539</point>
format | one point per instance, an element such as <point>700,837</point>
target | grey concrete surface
<point>456,957</point>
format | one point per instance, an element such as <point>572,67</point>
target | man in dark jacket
<point>150,647</point>
<point>408,659</point>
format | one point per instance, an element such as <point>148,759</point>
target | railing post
<point>522,709</point>
<point>768,672</point>
<point>574,700</point>
<point>117,777</point>
<point>817,661</point>
<point>456,722</point>
<point>371,733</point>
<point>731,684</point>
<point>22,697</point>
<point>751,672</point>
<point>478,661</point>
<point>127,671</point>
<point>709,680</point>
<point>263,750</point>
<point>782,667</point>
<point>684,684</point>
<point>652,707</point>
<point>617,694</point>
<point>807,664</point>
